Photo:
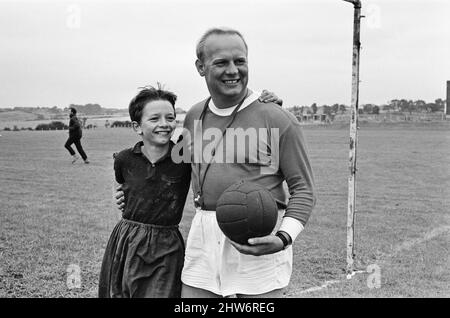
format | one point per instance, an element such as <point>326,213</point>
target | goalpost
<point>353,139</point>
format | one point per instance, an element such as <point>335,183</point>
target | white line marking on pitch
<point>401,247</point>
<point>317,288</point>
<point>428,236</point>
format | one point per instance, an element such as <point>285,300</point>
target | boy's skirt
<point>213,264</point>
<point>142,261</point>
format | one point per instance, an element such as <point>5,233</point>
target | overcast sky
<point>55,53</point>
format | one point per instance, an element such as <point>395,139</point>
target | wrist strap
<point>285,238</point>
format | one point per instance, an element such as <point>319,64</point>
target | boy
<point>145,253</point>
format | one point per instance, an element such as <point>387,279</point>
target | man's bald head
<point>200,50</point>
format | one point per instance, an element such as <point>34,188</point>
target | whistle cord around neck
<point>201,181</point>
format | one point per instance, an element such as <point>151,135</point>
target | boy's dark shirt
<point>154,193</point>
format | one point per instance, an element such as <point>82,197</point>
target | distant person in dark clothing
<point>75,135</point>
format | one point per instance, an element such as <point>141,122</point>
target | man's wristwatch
<point>285,238</point>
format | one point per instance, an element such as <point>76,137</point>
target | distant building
<point>307,116</point>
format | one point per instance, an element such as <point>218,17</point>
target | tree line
<point>87,109</point>
<point>393,106</point>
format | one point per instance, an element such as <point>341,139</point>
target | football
<point>246,210</point>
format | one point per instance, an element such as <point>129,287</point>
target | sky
<point>56,53</point>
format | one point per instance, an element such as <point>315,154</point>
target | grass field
<point>54,214</point>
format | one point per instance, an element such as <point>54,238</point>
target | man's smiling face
<point>225,68</point>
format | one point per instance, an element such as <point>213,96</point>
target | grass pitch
<point>54,214</point>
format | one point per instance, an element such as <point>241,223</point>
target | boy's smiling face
<point>157,123</point>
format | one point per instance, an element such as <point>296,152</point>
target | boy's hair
<point>148,94</point>
<point>73,110</point>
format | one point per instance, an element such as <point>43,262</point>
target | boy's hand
<point>120,198</point>
<point>267,97</point>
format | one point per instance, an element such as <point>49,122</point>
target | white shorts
<point>213,264</point>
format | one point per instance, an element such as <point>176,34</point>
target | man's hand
<point>120,198</point>
<point>267,97</point>
<point>260,245</point>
